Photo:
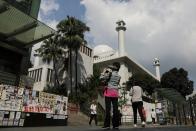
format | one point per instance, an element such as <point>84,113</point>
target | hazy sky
<point>165,29</point>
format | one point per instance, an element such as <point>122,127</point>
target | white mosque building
<point>102,56</point>
<point>105,55</point>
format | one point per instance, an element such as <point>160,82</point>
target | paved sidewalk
<point>94,128</point>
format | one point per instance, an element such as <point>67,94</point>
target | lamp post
<point>191,109</point>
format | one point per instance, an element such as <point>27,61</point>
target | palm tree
<point>51,51</point>
<point>72,31</point>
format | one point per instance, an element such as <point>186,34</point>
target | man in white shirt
<point>153,116</point>
<point>137,104</point>
<point>93,111</point>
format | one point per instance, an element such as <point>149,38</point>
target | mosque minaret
<point>156,63</point>
<point>121,37</point>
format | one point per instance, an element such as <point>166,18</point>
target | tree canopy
<point>177,79</point>
<point>72,31</point>
<point>51,51</point>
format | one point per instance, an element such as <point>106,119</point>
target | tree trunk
<point>175,113</point>
<point>76,73</point>
<point>55,74</point>
<point>70,63</point>
<point>184,113</point>
<point>179,115</point>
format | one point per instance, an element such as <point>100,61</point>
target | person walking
<point>112,78</point>
<point>120,117</point>
<point>137,104</point>
<point>153,116</point>
<point>93,111</point>
<point>144,113</point>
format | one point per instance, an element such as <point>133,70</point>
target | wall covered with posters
<point>17,104</point>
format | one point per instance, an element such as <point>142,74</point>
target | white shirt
<point>93,109</point>
<point>136,92</point>
<point>153,114</point>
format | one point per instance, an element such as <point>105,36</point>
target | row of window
<point>86,50</point>
<point>36,74</point>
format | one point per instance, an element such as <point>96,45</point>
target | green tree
<point>89,89</point>
<point>72,31</point>
<point>51,51</point>
<point>122,98</point>
<point>147,83</point>
<point>177,79</point>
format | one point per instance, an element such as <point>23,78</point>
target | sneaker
<point>143,124</point>
<point>106,127</point>
<point>135,125</point>
<point>116,128</point>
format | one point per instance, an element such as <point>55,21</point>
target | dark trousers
<point>115,118</point>
<point>153,120</point>
<point>93,116</point>
<point>138,106</point>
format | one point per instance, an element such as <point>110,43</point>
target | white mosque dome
<point>103,50</point>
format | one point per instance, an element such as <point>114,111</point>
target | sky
<point>164,29</point>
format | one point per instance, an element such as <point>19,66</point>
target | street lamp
<point>191,109</point>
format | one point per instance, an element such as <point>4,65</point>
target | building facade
<point>43,73</point>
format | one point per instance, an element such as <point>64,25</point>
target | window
<point>40,76</point>
<point>33,74</point>
<point>37,77</point>
<point>49,75</point>
<point>90,53</point>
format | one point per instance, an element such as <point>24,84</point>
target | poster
<point>46,102</point>
<point>55,117</point>
<point>5,122</point>
<point>12,115</point>
<point>20,91</point>
<point>10,123</point>
<point>21,122</point>
<point>61,117</point>
<point>60,106</point>
<point>48,115</point>
<point>17,115</point>
<point>10,99</point>
<point>16,122</point>
<point>30,101</point>
<point>1,115</point>
<point>17,100</point>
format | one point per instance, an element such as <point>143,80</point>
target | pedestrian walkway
<point>97,128</point>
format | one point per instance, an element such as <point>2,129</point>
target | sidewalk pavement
<point>98,128</point>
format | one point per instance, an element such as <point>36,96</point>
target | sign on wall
<point>11,98</point>
<point>27,100</point>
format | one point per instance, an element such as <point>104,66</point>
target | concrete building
<point>42,72</point>
<point>19,30</point>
